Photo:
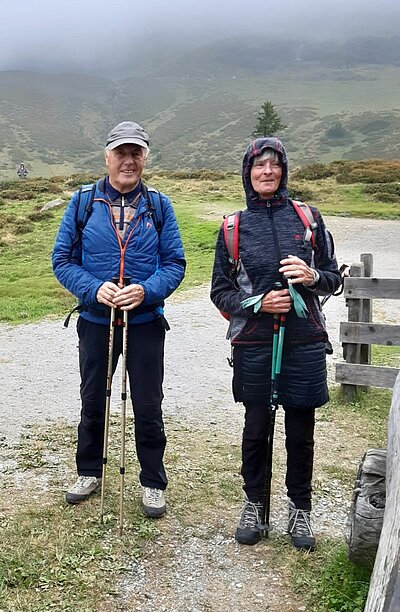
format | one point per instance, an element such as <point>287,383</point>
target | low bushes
<point>371,171</point>
<point>384,192</point>
<point>314,172</point>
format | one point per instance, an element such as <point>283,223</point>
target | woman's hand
<point>276,302</point>
<point>295,270</point>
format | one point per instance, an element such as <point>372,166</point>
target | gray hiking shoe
<point>153,502</point>
<point>82,489</point>
<point>299,528</point>
<point>248,531</point>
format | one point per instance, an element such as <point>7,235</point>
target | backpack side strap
<point>231,237</point>
<point>307,219</point>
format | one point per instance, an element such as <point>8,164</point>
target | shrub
<point>76,180</point>
<point>13,194</point>
<point>207,175</point>
<point>385,192</point>
<point>40,215</point>
<point>371,171</point>
<point>5,220</point>
<point>22,226</point>
<point>337,131</point>
<point>314,172</point>
<point>300,192</point>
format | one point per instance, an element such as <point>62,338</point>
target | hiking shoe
<point>299,528</point>
<point>153,502</point>
<point>82,489</point>
<point>248,531</point>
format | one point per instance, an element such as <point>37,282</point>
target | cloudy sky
<point>68,34</point>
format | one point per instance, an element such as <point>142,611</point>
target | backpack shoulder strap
<point>83,211</point>
<point>154,204</point>
<point>231,237</point>
<point>85,205</point>
<point>307,219</point>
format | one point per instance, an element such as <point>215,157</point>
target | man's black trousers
<point>145,367</point>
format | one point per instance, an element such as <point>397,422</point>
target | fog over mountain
<point>119,37</point>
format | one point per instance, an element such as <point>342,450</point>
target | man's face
<point>265,176</point>
<point>125,166</point>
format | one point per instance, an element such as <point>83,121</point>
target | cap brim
<point>121,141</point>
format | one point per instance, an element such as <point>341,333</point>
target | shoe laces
<point>82,482</point>
<point>300,522</point>
<point>250,514</point>
<point>153,495</point>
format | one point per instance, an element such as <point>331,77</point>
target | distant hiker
<point>22,172</point>
<point>275,250</point>
<point>131,232</point>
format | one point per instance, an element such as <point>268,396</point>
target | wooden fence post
<point>352,351</point>
<point>366,309</point>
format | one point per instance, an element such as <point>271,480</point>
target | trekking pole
<point>107,409</point>
<point>276,362</point>
<point>126,281</point>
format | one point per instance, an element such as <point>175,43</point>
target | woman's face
<point>265,176</point>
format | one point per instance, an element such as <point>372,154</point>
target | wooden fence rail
<point>359,332</point>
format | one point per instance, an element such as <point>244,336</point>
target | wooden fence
<point>360,332</point>
<point>384,591</point>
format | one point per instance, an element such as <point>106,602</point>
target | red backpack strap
<point>307,219</point>
<point>231,236</point>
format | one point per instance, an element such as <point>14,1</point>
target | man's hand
<point>276,302</point>
<point>106,293</point>
<point>128,297</point>
<point>297,271</point>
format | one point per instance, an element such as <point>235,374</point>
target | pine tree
<point>268,121</point>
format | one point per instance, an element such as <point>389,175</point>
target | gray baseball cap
<point>127,132</point>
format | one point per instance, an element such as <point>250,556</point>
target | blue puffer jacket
<point>152,259</point>
<point>270,230</point>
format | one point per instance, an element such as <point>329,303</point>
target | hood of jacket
<point>253,199</point>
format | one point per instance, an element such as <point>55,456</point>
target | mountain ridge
<point>340,101</point>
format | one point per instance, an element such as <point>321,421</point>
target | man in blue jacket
<point>122,238</point>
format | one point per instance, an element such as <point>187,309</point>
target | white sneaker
<point>153,502</point>
<point>82,489</point>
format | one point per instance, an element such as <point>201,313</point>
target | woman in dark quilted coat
<point>274,252</point>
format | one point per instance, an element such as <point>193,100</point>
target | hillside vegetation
<point>339,101</point>
<point>28,289</point>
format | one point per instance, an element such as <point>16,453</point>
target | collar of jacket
<point>258,204</point>
<point>114,194</point>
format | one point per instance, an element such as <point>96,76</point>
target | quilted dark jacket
<point>259,262</point>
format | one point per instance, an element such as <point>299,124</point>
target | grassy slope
<point>198,121</point>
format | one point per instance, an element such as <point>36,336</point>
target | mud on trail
<point>195,564</point>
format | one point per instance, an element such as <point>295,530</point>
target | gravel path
<point>40,383</point>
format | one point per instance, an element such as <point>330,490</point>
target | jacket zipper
<point>122,215</point>
<point>274,233</point>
